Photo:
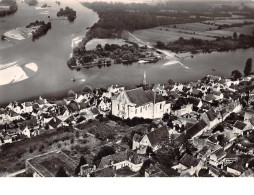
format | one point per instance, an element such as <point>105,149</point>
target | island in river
<point>117,21</point>
<point>7,7</point>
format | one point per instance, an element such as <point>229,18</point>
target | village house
<point>136,141</point>
<point>113,90</point>
<point>185,109</point>
<point>139,103</point>
<point>239,127</point>
<point>211,119</point>
<point>216,158</point>
<point>188,164</point>
<point>122,159</point>
<point>204,154</point>
<point>235,168</point>
<point>39,165</point>
<point>152,139</point>
<point>196,130</point>
<point>105,105</point>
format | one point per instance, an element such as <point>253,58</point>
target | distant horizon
<point>158,1</point>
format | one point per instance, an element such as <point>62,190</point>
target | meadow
<point>206,30</point>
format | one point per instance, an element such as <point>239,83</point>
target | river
<point>52,51</point>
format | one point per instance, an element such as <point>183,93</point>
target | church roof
<point>139,97</point>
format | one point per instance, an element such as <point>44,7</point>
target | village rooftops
<point>140,97</point>
<point>120,157</point>
<point>47,165</point>
<point>211,115</point>
<point>220,153</point>
<point>195,129</point>
<point>239,125</point>
<point>204,150</point>
<point>189,161</point>
<point>105,172</point>
<point>137,137</point>
<point>157,136</point>
<point>238,165</point>
<point>54,122</point>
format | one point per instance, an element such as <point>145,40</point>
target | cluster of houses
<point>25,120</point>
<point>210,122</point>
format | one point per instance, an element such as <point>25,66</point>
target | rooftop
<point>48,164</point>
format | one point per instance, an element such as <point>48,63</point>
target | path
<point>172,56</point>
<point>15,173</point>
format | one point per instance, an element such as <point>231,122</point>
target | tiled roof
<point>192,100</point>
<point>158,135</point>
<point>237,166</point>
<point>54,122</point>
<point>211,115</point>
<point>195,129</point>
<point>2,111</point>
<point>239,125</point>
<point>139,97</point>
<point>220,153</point>
<point>210,97</point>
<point>95,111</point>
<point>137,137</point>
<point>189,161</point>
<point>196,92</point>
<point>120,157</point>
<point>105,172</point>
<point>204,150</point>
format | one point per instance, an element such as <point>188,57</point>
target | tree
<point>236,74</point>
<point>71,93</point>
<point>160,44</point>
<point>170,81</point>
<point>104,151</point>
<point>235,35</point>
<point>61,172</point>
<point>165,117</point>
<point>248,67</point>
<point>82,162</point>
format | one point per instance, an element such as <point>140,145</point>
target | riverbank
<point>34,30</point>
<point>14,72</point>
<point>221,44</point>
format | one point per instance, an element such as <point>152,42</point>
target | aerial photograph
<point>126,88</point>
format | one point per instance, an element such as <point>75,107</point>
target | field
<point>204,30</point>
<point>91,45</point>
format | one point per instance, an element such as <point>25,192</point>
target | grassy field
<point>196,30</point>
<point>91,45</point>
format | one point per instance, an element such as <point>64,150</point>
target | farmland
<point>206,30</point>
<point>91,45</point>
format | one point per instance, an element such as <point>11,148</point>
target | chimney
<point>94,167</point>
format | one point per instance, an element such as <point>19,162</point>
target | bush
<point>41,148</point>
<point>59,145</point>
<point>31,150</point>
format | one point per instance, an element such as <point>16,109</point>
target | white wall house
<point>138,103</point>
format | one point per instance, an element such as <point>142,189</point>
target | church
<point>139,103</point>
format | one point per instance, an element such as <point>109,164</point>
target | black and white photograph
<point>126,89</point>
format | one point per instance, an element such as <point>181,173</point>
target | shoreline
<point>14,72</point>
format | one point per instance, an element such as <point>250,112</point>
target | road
<point>15,173</point>
<point>174,59</point>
